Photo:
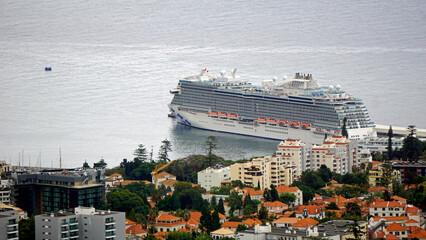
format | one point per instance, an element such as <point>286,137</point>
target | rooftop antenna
<point>60,159</point>
<point>19,159</point>
<point>22,157</point>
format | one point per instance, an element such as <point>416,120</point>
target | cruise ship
<point>296,108</point>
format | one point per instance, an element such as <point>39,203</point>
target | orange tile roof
<point>412,209</point>
<point>129,222</point>
<point>290,146</point>
<point>183,230</point>
<point>231,224</point>
<point>395,227</point>
<point>164,174</point>
<point>169,182</point>
<point>411,221</point>
<point>115,175</point>
<point>338,199</point>
<point>376,162</point>
<point>400,218</point>
<point>398,198</point>
<point>317,195</point>
<point>380,234</point>
<point>284,188</point>
<point>253,192</point>
<point>385,204</point>
<point>318,202</point>
<point>291,220</point>
<point>167,217</point>
<point>377,189</point>
<point>135,229</point>
<point>127,182</point>
<point>312,209</point>
<point>275,204</point>
<point>192,221</point>
<point>306,222</point>
<point>392,237</point>
<point>221,216</point>
<point>417,232</point>
<point>195,215</point>
<point>252,222</point>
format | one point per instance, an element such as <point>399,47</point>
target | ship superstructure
<point>291,108</point>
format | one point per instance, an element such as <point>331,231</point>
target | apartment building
<point>262,172</point>
<point>295,153</point>
<point>83,223</point>
<point>4,167</point>
<point>51,191</point>
<point>375,176</point>
<point>9,224</point>
<point>387,209</point>
<point>4,196</point>
<point>213,176</point>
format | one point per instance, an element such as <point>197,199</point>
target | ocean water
<point>114,62</point>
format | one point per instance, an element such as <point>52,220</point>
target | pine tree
<point>210,144</point>
<point>221,207</point>
<point>344,131</point>
<point>412,146</point>
<point>165,148</point>
<point>390,150</point>
<point>274,194</point>
<point>176,202</point>
<point>263,213</point>
<point>140,153</point>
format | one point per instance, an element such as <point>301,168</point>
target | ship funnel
<point>284,77</point>
<point>222,73</point>
<point>233,71</point>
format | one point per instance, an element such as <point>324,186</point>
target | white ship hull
<point>204,121</point>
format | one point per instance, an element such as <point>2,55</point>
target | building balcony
<point>12,230</point>
<point>108,234</point>
<point>64,223</point>
<point>109,228</point>
<point>112,221</point>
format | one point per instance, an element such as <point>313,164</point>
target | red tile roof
<point>395,227</point>
<point>195,215</point>
<point>390,219</point>
<point>306,222</point>
<point>377,189</point>
<point>385,204</point>
<point>284,188</point>
<point>392,237</point>
<point>164,174</point>
<point>167,217</point>
<point>135,229</point>
<point>231,224</point>
<point>274,204</point>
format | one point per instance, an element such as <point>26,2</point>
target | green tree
<point>386,179</point>
<point>353,209</point>
<point>263,213</point>
<point>100,164</point>
<point>344,131</point>
<point>140,153</point>
<point>27,228</point>
<point>389,148</point>
<point>124,200</point>
<point>274,193</point>
<point>221,207</point>
<point>210,144</point>
<point>209,221</point>
<point>85,164</point>
<point>241,227</point>
<point>332,206</point>
<point>287,198</point>
<point>411,146</point>
<point>235,202</point>
<point>163,153</point>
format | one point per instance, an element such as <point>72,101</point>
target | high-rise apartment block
<point>83,223</point>
<point>43,192</point>
<point>293,157</point>
<point>262,172</point>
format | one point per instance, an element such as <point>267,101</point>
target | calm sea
<point>113,63</point>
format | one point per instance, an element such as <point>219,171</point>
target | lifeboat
<point>232,116</point>
<point>305,126</point>
<point>282,123</point>
<point>294,124</point>
<point>213,114</point>
<point>223,115</point>
<point>261,120</point>
<point>272,122</point>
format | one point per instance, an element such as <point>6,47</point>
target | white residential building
<point>84,223</point>
<point>213,176</point>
